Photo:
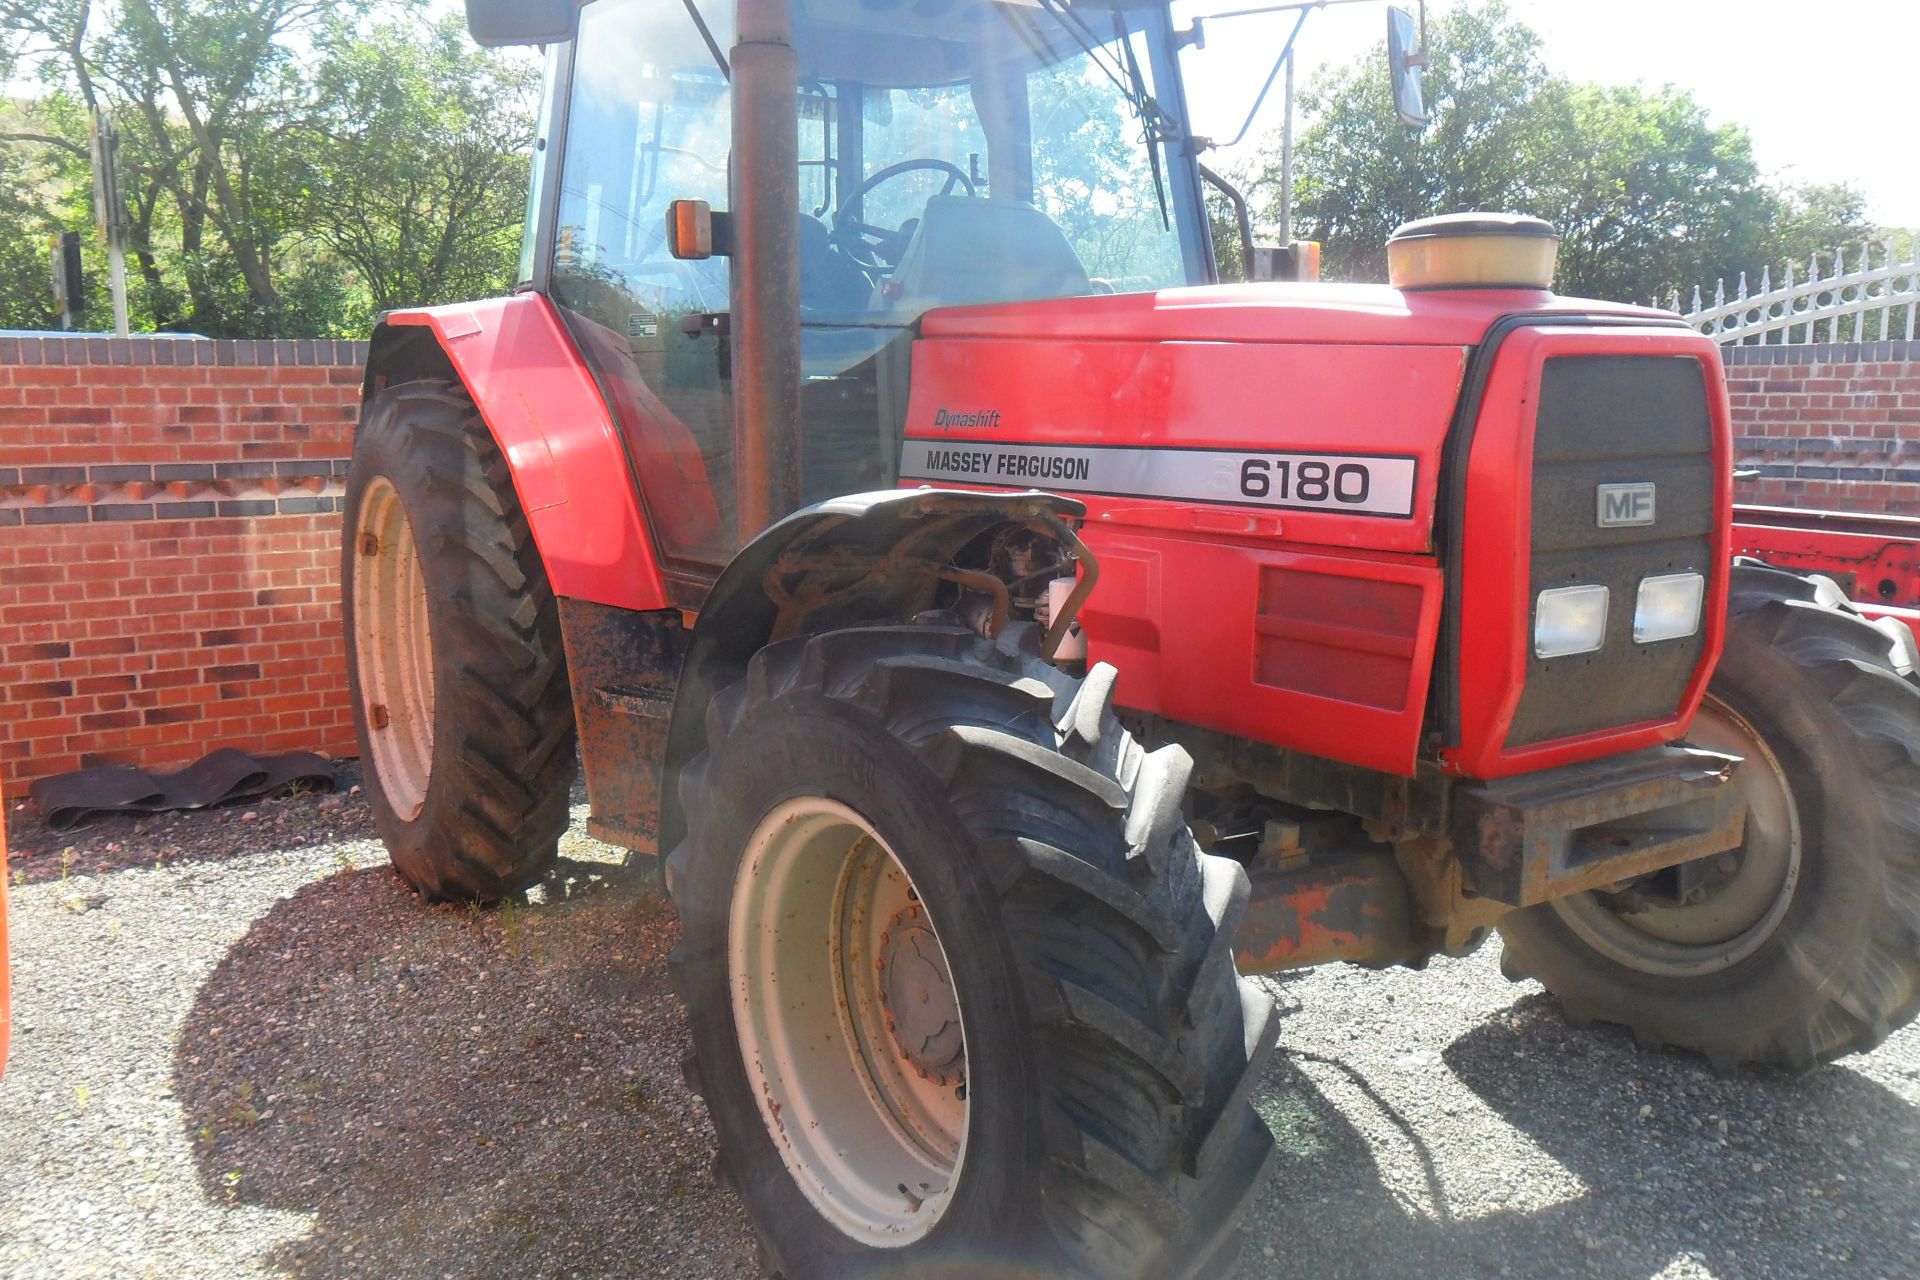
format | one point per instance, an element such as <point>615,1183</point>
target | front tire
<point>454,659</point>
<point>1803,945</point>
<point>961,985</point>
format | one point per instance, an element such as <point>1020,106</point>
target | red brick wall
<point>169,549</point>
<point>1828,426</point>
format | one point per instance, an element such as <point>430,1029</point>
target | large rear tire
<point>1804,945</point>
<point>454,659</point>
<point>961,985</point>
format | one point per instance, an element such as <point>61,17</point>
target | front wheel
<point>1803,944</point>
<point>961,985</point>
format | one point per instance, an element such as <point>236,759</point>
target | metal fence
<point>1870,299</point>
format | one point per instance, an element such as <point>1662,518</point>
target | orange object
<point>6,1017</point>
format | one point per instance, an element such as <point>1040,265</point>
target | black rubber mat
<point>221,777</point>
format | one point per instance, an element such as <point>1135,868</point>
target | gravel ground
<point>242,1048</point>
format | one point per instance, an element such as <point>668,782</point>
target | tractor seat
<point>969,250</point>
<point>828,281</point>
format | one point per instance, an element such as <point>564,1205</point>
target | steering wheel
<point>876,249</point>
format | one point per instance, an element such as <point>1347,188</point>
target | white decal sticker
<point>1359,484</point>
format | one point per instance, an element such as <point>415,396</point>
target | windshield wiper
<point>713,46</point>
<point>1153,152</point>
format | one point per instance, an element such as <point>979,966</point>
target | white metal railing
<point>1872,300</point>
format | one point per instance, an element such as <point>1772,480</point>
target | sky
<point>1827,89</point>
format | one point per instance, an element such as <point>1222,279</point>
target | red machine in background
<point>1873,559</point>
<point>6,995</point>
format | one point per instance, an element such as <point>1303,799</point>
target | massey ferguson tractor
<point>1011,639</point>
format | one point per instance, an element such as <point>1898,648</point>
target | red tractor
<point>1368,620</point>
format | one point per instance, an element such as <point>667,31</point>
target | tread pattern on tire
<point>1847,659</point>
<point>1151,1042</point>
<point>504,741</point>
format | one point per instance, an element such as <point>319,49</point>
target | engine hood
<point>1311,313</point>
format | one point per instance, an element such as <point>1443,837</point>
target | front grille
<point>1609,420</point>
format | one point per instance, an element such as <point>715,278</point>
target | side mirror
<point>508,22</point>
<point>1406,58</point>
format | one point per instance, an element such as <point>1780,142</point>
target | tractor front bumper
<point>1539,836</point>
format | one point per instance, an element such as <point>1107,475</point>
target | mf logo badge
<point>1626,504</point>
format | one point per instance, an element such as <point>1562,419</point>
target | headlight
<point>1569,620</point>
<point>1668,607</point>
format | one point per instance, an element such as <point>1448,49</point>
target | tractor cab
<point>970,152</point>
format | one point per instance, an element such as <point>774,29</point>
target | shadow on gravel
<point>1812,1177</point>
<point>450,1091</point>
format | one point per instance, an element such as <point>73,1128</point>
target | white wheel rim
<point>819,906</point>
<point>393,650</point>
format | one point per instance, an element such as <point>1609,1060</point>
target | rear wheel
<point>1803,944</point>
<point>961,985</point>
<point>454,659</point>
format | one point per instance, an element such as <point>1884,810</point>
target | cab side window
<point>649,122</point>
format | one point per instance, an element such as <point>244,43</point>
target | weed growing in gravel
<point>241,1111</point>
<point>231,1181</point>
<point>637,1094</point>
<point>510,927</point>
<point>66,862</point>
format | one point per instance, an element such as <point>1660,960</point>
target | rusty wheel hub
<point>917,993</point>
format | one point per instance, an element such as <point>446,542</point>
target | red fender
<point>569,466</point>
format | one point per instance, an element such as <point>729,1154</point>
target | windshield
<point>1002,137</point>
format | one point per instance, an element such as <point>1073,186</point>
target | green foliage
<point>25,265</point>
<point>1648,194</point>
<point>353,163</point>
<point>290,167</point>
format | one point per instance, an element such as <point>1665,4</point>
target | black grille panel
<point>1602,420</point>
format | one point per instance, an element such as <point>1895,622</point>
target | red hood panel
<point>1316,313</point>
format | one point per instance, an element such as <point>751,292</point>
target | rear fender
<point>860,559</point>
<point>538,398</point>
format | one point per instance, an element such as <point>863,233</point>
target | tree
<point>290,165</point>
<point>380,102</point>
<point>1648,194</point>
<point>1651,194</point>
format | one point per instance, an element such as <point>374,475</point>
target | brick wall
<point>1828,425</point>
<point>169,549</point>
